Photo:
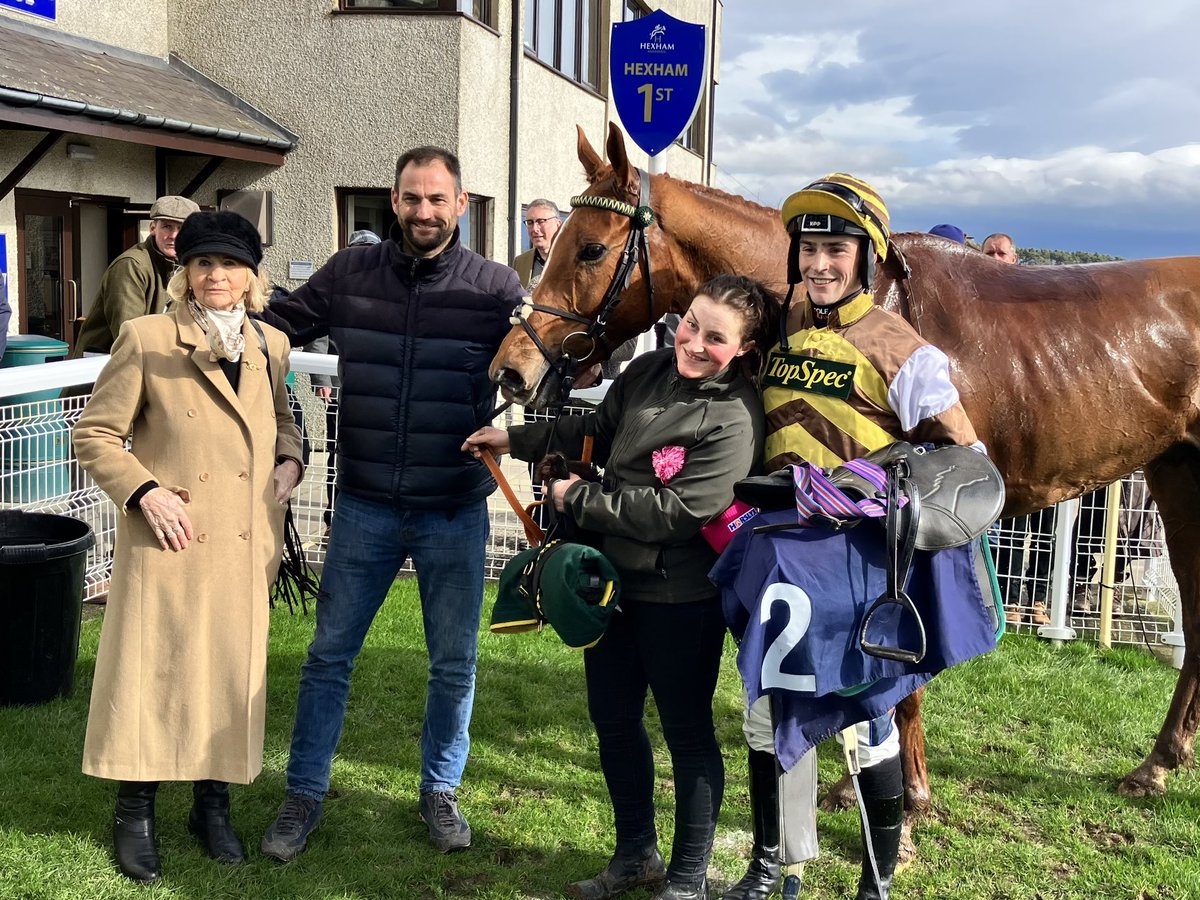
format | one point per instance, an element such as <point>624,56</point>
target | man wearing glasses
<point>542,223</point>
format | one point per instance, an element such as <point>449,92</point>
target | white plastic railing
<point>38,471</point>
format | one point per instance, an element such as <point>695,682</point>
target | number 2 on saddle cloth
<point>797,600</point>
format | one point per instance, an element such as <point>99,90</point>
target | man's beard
<point>425,245</point>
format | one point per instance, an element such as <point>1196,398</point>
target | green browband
<point>642,216</point>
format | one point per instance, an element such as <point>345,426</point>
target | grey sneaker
<point>448,830</point>
<point>288,835</point>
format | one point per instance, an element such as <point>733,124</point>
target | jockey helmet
<point>838,204</point>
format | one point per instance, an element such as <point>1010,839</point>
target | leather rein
<point>635,253</point>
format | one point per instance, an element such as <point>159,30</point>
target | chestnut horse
<point>1073,376</point>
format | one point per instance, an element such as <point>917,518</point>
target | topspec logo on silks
<point>826,377</point>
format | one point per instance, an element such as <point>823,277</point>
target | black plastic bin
<point>43,559</point>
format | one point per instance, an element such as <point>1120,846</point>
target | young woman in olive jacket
<point>674,433</point>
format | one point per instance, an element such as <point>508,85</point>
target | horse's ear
<point>625,174</point>
<point>592,163</point>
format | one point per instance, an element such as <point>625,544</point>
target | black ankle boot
<point>209,821</point>
<point>762,875</point>
<point>626,870</point>
<point>133,831</point>
<point>886,815</point>
<point>695,890</point>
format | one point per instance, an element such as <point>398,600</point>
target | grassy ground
<point>1025,748</point>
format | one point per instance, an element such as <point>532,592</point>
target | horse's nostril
<point>510,379</point>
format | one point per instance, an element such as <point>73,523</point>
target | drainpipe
<point>712,92</point>
<point>514,124</point>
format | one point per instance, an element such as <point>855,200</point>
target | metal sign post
<point>657,68</point>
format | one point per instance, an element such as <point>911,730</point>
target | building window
<point>633,9</point>
<point>693,138</point>
<point>482,10</point>
<point>364,208</point>
<point>564,34</point>
<point>475,226</point>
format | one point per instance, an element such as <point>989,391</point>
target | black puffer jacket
<point>415,337</point>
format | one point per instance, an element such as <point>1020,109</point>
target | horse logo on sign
<point>657,81</point>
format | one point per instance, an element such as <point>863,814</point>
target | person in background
<point>674,432</point>
<point>541,224</point>
<point>323,386</point>
<point>950,232</point>
<point>135,284</point>
<point>1000,247</point>
<point>416,320</point>
<point>5,313</point>
<point>180,687</point>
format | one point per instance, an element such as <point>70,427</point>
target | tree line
<point>1031,256</point>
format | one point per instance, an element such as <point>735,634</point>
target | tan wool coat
<point>180,686</point>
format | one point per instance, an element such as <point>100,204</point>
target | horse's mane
<point>726,197</point>
<point>605,181</point>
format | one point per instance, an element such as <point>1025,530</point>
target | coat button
<point>204,476</point>
<point>191,414</point>
<point>245,535</point>
<point>243,475</point>
<point>202,537</point>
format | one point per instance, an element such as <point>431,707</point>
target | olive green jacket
<point>650,531</point>
<point>135,284</point>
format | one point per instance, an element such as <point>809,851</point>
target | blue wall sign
<point>657,67</point>
<point>43,8</point>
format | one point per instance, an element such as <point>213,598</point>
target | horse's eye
<point>592,252</point>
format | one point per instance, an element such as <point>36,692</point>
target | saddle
<point>929,498</point>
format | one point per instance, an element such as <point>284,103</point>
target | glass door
<point>47,286</point>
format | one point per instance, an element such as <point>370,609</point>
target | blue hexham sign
<point>657,68</point>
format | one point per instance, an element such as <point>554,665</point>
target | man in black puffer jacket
<point>416,319</point>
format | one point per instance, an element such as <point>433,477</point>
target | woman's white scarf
<point>222,327</point>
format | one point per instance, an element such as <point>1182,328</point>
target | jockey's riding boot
<point>762,875</point>
<point>133,831</point>
<point>209,821</point>
<point>886,816</point>
<point>629,867</point>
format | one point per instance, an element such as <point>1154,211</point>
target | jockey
<point>846,378</point>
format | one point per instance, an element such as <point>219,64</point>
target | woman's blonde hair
<point>256,294</point>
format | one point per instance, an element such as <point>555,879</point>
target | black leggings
<point>674,649</point>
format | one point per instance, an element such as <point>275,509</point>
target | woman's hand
<point>487,438</point>
<point>165,512</point>
<point>559,488</point>
<point>286,476</point>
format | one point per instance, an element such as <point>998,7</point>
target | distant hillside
<point>1030,256</point>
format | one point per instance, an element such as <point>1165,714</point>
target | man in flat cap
<point>135,284</point>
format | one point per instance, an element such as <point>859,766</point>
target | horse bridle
<point>636,251</point>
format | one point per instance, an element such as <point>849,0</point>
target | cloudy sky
<point>1072,125</point>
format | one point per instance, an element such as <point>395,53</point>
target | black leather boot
<point>886,815</point>
<point>209,821</point>
<point>626,870</point>
<point>762,875</point>
<point>133,831</point>
<point>696,890</point>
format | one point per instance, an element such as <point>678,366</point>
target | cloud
<point>1051,113</point>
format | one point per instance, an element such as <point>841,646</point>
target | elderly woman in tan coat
<point>180,686</point>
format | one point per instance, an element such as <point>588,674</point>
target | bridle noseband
<point>637,250</point>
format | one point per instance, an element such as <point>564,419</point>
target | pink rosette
<point>667,462</point>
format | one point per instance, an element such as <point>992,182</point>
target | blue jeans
<point>367,546</point>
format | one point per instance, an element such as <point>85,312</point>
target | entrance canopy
<point>53,82</point>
